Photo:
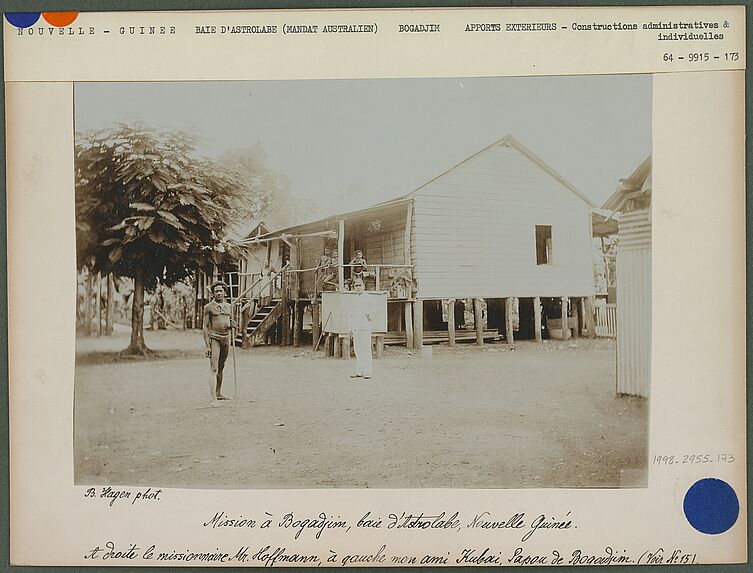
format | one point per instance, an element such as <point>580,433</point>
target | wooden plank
<point>408,325</point>
<point>537,318</point>
<point>509,334</point>
<point>437,336</point>
<point>442,334</point>
<point>478,321</point>
<point>418,324</point>
<point>451,321</point>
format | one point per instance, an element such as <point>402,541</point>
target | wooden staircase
<point>260,324</point>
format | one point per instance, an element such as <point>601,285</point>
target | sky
<point>346,144</point>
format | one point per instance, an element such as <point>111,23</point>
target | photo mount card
<point>561,380</point>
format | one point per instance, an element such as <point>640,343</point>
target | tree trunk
<point>110,316</point>
<point>98,306</point>
<point>88,304</point>
<point>137,345</point>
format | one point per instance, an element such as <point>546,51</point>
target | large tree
<point>271,199</point>
<point>149,209</point>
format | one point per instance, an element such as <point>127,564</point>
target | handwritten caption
<point>317,525</point>
<point>324,527</point>
<point>269,556</point>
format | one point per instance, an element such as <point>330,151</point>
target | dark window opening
<point>543,244</point>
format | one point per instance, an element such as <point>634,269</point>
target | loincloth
<point>219,337</point>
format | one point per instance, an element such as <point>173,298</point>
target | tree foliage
<point>149,209</point>
<point>271,199</point>
<point>146,206</point>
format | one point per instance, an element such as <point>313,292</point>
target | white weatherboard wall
<point>475,231</point>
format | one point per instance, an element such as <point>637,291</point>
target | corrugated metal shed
<point>633,199</point>
<point>634,303</point>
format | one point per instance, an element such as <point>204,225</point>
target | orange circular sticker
<point>60,19</point>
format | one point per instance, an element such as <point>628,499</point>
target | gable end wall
<point>475,231</point>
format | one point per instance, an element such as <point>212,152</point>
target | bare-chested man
<point>218,331</point>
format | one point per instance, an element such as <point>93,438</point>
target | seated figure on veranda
<point>358,268</point>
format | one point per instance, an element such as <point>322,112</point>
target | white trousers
<point>362,348</point>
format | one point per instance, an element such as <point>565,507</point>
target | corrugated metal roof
<point>331,220</point>
<point>638,181</point>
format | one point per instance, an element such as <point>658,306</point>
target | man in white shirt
<point>360,326</point>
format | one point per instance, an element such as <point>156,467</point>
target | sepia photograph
<point>382,283</point>
<point>377,287</point>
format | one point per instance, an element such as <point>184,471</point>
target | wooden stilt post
<point>285,322</point>
<point>563,316</point>
<point>537,318</point>
<point>315,326</point>
<point>418,324</point>
<point>408,325</point>
<point>451,321</point>
<point>590,325</point>
<point>478,321</point>
<point>509,334</point>
<point>291,325</point>
<point>328,349</point>
<point>576,316</point>
<point>338,348</point>
<point>346,347</point>
<point>297,323</point>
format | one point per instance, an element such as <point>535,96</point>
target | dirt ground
<point>471,417</point>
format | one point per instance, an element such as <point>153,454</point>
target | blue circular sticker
<point>711,506</point>
<point>22,19</point>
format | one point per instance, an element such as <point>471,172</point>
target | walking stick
<point>235,373</point>
<point>232,349</point>
<point>322,332</point>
